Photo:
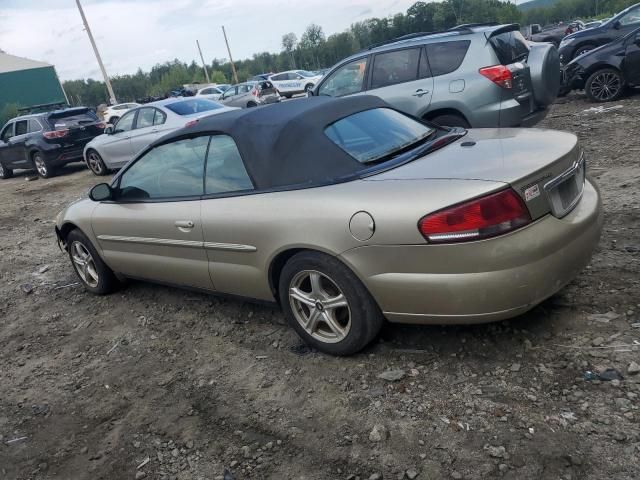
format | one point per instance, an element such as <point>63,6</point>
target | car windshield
<point>191,106</point>
<point>305,73</point>
<point>371,135</point>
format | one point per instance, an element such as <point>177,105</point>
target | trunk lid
<point>526,159</point>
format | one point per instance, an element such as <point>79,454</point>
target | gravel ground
<point>153,382</point>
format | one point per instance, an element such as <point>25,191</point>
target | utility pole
<point>112,95</point>
<point>204,65</point>
<point>233,67</point>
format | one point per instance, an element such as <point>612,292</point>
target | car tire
<point>95,276</point>
<point>113,120</point>
<point>252,104</point>
<point>44,169</point>
<point>96,164</point>
<point>604,85</point>
<point>5,172</point>
<point>288,95</point>
<point>583,49</point>
<point>450,120</point>
<point>308,284</point>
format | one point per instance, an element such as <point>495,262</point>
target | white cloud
<point>142,33</point>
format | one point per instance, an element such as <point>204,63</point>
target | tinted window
<point>372,134</point>
<point>509,47</point>
<point>195,105</point>
<point>207,91</point>
<point>72,118</point>
<point>21,127</point>
<point>346,80</point>
<point>34,126</point>
<point>281,76</point>
<point>631,18</point>
<point>446,57</point>
<point>225,169</point>
<point>125,122</point>
<point>7,133</point>
<point>170,170</point>
<point>145,117</point>
<point>395,67</point>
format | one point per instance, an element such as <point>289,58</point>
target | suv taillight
<point>56,133</point>
<point>483,217</point>
<point>498,74</point>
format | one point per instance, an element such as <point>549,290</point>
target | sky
<point>141,33</point>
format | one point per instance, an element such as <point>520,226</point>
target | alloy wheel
<point>95,163</point>
<point>319,306</point>
<point>41,166</point>
<point>84,264</point>
<point>605,86</point>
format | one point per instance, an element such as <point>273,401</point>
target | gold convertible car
<point>346,212</point>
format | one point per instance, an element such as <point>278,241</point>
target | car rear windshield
<point>72,118</point>
<point>510,47</point>
<point>371,135</point>
<point>191,106</point>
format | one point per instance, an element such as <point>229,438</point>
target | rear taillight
<point>190,123</point>
<point>484,217</point>
<point>498,74</point>
<point>56,133</point>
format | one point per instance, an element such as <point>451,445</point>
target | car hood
<point>584,33</point>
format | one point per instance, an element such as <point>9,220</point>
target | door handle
<point>184,225</point>
<point>420,92</point>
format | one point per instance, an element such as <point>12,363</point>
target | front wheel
<point>327,305</point>
<point>451,120</point>
<point>604,85</point>
<point>42,166</point>
<point>5,172</point>
<point>96,164</point>
<point>93,273</point>
<point>583,49</point>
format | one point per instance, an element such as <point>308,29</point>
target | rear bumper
<point>59,155</point>
<point>481,281</point>
<point>511,115</point>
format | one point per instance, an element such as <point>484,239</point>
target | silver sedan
<point>141,126</point>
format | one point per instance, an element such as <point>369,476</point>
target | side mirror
<point>617,24</point>
<point>535,29</point>
<point>101,192</point>
<point>109,130</point>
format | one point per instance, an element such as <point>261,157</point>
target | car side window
<point>446,57</point>
<point>206,91</point>
<point>277,78</point>
<point>159,118</point>
<point>125,123</point>
<point>230,92</point>
<point>170,170</point>
<point>631,18</point>
<point>34,126</point>
<point>145,117</point>
<point>7,132</point>
<point>225,169</point>
<point>21,127</point>
<point>395,67</point>
<point>345,80</point>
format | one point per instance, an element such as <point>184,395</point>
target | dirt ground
<point>153,382</point>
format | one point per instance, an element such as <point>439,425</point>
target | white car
<point>140,127</point>
<point>293,82</point>
<point>213,92</point>
<point>114,112</point>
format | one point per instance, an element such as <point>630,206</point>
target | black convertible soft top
<point>285,144</point>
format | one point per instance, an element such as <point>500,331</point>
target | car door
<point>149,126</point>
<point>631,62</point>
<point>116,149</point>
<point>152,228</point>
<point>243,96</point>
<point>5,146</point>
<point>402,78</point>
<point>228,98</point>
<point>17,151</point>
<point>229,241</point>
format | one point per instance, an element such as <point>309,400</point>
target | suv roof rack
<point>408,36</point>
<point>469,26</point>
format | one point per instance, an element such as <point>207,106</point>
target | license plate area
<point>565,191</point>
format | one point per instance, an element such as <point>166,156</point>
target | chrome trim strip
<point>234,247</point>
<point>151,241</point>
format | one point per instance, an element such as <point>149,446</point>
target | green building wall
<point>26,88</point>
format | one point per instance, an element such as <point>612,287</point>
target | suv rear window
<point>189,107</point>
<point>509,47</point>
<point>446,57</point>
<point>370,135</point>
<point>72,118</point>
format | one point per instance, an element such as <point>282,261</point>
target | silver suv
<point>477,75</point>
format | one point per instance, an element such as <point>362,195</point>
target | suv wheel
<point>604,85</point>
<point>42,167</point>
<point>451,120</point>
<point>96,164</point>
<point>5,172</point>
<point>583,49</point>
<point>94,274</point>
<point>327,305</point>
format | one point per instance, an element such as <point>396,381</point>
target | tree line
<point>313,50</point>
